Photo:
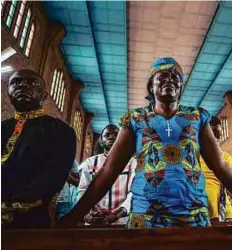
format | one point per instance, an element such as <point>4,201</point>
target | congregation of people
<point>162,168</point>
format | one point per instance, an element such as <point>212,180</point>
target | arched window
<point>8,11</point>
<point>19,19</point>
<point>58,89</point>
<point>225,129</point>
<point>25,29</point>
<point>88,144</point>
<point>77,124</point>
<point>30,39</point>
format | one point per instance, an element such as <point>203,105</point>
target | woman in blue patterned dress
<point>169,185</point>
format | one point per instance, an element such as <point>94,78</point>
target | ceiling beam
<point>227,59</point>
<point>97,59</point>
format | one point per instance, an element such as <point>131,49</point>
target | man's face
<point>166,86</point>
<point>217,131</point>
<point>25,90</point>
<point>109,136</point>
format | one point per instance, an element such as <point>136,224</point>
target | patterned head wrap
<point>166,63</point>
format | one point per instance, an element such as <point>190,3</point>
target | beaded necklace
<point>21,118</point>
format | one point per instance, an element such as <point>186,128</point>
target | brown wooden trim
<point>76,88</point>
<point>111,238</point>
<point>228,95</point>
<point>86,123</point>
<point>53,31</point>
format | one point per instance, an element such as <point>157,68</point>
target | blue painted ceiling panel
<point>95,51</point>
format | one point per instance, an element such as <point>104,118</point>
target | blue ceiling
<point>95,51</point>
<point>211,76</point>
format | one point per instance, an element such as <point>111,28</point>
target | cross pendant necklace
<point>169,130</point>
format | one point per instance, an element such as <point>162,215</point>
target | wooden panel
<point>118,238</point>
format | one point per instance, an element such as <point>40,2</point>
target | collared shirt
<point>36,168</point>
<point>118,196</point>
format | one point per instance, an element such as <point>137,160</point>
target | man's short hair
<point>29,71</point>
<point>108,126</point>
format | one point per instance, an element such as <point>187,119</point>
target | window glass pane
<point>56,85</point>
<point>61,96</point>
<point>88,144</point>
<point>59,88</point>
<point>225,129</point>
<point>77,124</point>
<point>25,28</point>
<point>53,82</point>
<point>62,107</point>
<point>22,41</point>
<point>11,13</point>
<point>19,19</point>
<point>29,42</point>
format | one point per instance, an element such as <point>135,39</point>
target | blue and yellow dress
<point>169,185</point>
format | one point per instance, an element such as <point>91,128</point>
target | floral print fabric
<point>169,185</point>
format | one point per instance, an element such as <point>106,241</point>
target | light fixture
<point>7,53</point>
<point>6,69</point>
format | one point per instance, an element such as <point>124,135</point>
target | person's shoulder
<point>7,122</point>
<point>188,109</point>
<point>93,158</point>
<point>88,162</point>
<point>194,113</point>
<point>56,123</point>
<point>139,111</point>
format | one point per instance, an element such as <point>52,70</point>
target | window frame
<point>28,39</point>
<point>78,132</point>
<point>58,89</point>
<point>5,18</point>
<point>16,19</point>
<point>27,31</point>
<point>88,136</point>
<point>225,129</point>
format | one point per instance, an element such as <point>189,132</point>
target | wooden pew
<point>217,237</point>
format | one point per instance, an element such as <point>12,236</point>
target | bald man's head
<point>26,90</point>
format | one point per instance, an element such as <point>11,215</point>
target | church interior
<point>94,57</point>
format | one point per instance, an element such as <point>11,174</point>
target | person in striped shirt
<point>115,205</point>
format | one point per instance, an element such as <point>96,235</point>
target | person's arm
<point>118,157</point>
<point>73,179</point>
<point>84,180</point>
<point>213,158</point>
